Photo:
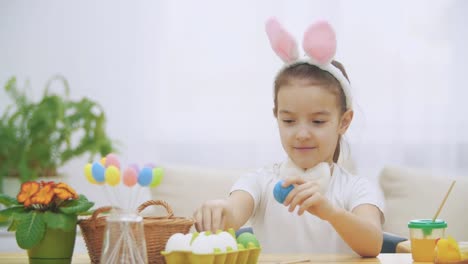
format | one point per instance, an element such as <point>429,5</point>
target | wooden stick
<point>295,261</point>
<point>443,201</point>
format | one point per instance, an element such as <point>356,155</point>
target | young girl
<point>328,210</point>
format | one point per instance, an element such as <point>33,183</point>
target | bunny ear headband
<point>319,45</point>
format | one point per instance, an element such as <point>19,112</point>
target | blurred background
<point>190,82</point>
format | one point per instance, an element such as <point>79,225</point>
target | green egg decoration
<point>246,238</point>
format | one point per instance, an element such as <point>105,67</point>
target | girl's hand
<point>306,195</point>
<point>211,215</point>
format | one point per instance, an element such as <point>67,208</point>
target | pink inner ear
<point>281,41</point>
<point>320,42</point>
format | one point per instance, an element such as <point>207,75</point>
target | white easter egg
<point>203,244</point>
<point>178,242</point>
<point>226,240</point>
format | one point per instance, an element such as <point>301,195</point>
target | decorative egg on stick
<point>107,173</point>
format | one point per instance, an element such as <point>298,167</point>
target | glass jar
<point>124,238</point>
<point>423,235</point>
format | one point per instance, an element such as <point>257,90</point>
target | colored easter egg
<point>247,238</point>
<point>111,159</point>
<point>112,175</point>
<point>280,193</point>
<point>145,177</point>
<point>89,174</point>
<point>103,161</point>
<point>135,166</point>
<point>98,172</point>
<point>150,165</point>
<point>130,176</point>
<point>157,176</point>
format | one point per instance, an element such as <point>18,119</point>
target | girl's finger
<point>292,180</point>
<point>206,218</point>
<point>296,190</point>
<point>311,201</point>
<point>216,218</point>
<point>300,197</point>
<point>198,220</point>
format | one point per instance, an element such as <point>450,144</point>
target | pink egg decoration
<point>135,166</point>
<point>130,176</point>
<point>150,165</point>
<point>111,159</point>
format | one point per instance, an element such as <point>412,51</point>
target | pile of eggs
<point>206,247</point>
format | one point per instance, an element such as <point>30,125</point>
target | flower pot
<point>55,248</point>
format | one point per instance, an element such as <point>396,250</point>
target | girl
<point>328,210</point>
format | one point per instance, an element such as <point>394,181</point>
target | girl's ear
<point>345,121</point>
<point>320,42</point>
<point>282,43</point>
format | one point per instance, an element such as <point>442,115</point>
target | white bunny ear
<point>281,41</point>
<point>320,42</point>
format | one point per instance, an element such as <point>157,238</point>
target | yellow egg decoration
<point>88,173</point>
<point>112,175</point>
<point>447,250</point>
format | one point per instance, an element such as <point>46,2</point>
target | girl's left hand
<point>306,195</point>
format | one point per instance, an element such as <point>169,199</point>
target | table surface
<point>16,258</point>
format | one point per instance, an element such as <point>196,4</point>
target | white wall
<point>191,82</point>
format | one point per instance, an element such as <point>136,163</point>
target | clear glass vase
<point>124,239</point>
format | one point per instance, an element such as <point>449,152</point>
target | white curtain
<point>190,82</point>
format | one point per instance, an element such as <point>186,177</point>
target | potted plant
<point>44,216</point>
<point>39,137</point>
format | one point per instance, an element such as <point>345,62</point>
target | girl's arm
<point>360,229</point>
<point>222,214</point>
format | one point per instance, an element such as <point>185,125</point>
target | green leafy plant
<point>36,138</point>
<point>42,205</point>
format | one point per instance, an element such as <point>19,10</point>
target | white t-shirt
<point>281,231</point>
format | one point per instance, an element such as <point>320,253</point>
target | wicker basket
<point>93,233</point>
<point>159,229</point>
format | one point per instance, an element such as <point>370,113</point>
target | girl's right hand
<point>306,195</point>
<point>233,212</point>
<point>212,215</point>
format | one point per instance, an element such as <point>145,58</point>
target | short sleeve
<point>364,192</point>
<point>250,183</point>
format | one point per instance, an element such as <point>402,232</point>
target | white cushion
<point>186,188</point>
<point>416,193</point>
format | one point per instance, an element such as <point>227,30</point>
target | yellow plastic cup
<point>423,236</point>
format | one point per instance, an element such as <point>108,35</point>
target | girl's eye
<point>318,122</point>
<point>288,121</point>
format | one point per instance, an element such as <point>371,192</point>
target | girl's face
<point>310,123</point>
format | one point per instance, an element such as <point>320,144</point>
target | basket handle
<point>170,213</point>
<point>99,211</point>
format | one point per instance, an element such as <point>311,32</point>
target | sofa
<point>409,194</point>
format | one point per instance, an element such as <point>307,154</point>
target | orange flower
<point>43,183</point>
<point>28,189</point>
<point>44,196</point>
<point>65,192</point>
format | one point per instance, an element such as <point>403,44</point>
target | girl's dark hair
<point>312,74</point>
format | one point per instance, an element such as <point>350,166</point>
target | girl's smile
<point>304,148</point>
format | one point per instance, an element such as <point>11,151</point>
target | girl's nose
<point>303,133</point>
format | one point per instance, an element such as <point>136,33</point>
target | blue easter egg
<point>145,177</point>
<point>280,192</point>
<point>98,172</point>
